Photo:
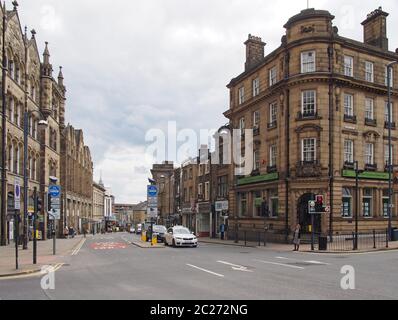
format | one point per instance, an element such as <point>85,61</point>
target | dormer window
<point>308,62</point>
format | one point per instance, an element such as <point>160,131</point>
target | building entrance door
<point>304,217</point>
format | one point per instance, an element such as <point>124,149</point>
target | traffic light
<point>38,205</point>
<point>319,206</point>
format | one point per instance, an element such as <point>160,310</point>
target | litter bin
<point>394,235</point>
<point>323,243</point>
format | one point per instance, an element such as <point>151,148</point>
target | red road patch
<point>108,245</point>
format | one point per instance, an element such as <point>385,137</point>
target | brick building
<point>316,104</point>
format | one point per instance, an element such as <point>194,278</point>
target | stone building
<point>162,175</point>
<point>315,105</point>
<point>76,180</point>
<point>98,206</point>
<point>29,86</point>
<point>189,193</point>
<point>123,212</point>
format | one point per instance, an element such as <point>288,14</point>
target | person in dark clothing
<point>222,231</point>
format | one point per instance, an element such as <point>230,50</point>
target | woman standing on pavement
<point>296,238</point>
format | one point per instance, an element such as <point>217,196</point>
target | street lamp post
<point>390,166</point>
<point>3,229</point>
<point>44,123</point>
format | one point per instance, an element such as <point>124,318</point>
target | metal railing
<point>366,241</point>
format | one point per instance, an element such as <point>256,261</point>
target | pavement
<point>288,247</point>
<point>64,247</point>
<point>110,267</point>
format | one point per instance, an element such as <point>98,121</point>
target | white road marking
<point>204,270</point>
<point>280,264</point>
<point>236,267</point>
<point>310,262</point>
<point>76,251</point>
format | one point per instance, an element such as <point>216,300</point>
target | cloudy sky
<point>134,65</point>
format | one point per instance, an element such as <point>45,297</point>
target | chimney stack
<point>254,51</point>
<point>375,29</point>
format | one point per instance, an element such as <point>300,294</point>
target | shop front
<point>203,219</point>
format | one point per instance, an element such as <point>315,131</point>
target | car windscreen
<point>181,231</point>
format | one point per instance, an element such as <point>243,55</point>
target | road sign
<point>221,206</point>
<point>152,213</point>
<point>54,191</point>
<point>55,202</point>
<point>17,194</point>
<point>152,191</point>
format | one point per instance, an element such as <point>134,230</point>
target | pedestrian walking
<point>84,231</point>
<point>66,232</point>
<point>296,238</point>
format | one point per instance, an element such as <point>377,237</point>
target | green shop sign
<point>366,175</point>
<point>258,179</point>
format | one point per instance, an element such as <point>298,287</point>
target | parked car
<point>158,231</point>
<point>139,229</point>
<point>180,237</point>
<point>132,230</point>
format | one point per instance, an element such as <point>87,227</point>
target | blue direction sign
<point>54,191</point>
<point>152,191</point>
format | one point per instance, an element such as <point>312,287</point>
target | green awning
<point>258,179</point>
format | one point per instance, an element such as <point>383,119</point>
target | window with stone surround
<point>272,76</point>
<point>256,87</point>
<point>256,118</point>
<point>348,105</point>
<point>369,108</point>
<point>256,160</point>
<point>346,205</point>
<point>308,62</point>
<point>273,154</point>
<point>348,66</point>
<point>308,150</point>
<point>242,202</point>
<point>308,103</point>
<point>367,203</point>
<point>369,154</point>
<point>369,71</point>
<point>348,151</point>
<point>273,113</point>
<point>241,94</point>
<point>386,202</point>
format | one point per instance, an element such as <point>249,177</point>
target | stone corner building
<point>316,104</point>
<point>77,180</point>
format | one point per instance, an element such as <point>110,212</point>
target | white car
<point>180,237</point>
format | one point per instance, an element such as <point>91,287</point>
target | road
<point>110,267</point>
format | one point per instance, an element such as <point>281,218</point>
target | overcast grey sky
<point>133,65</point>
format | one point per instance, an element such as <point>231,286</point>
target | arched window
<point>20,158</point>
<point>11,110</point>
<point>10,157</point>
<point>30,166</point>
<point>34,171</point>
<point>11,69</point>
<point>16,159</point>
<point>17,72</point>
